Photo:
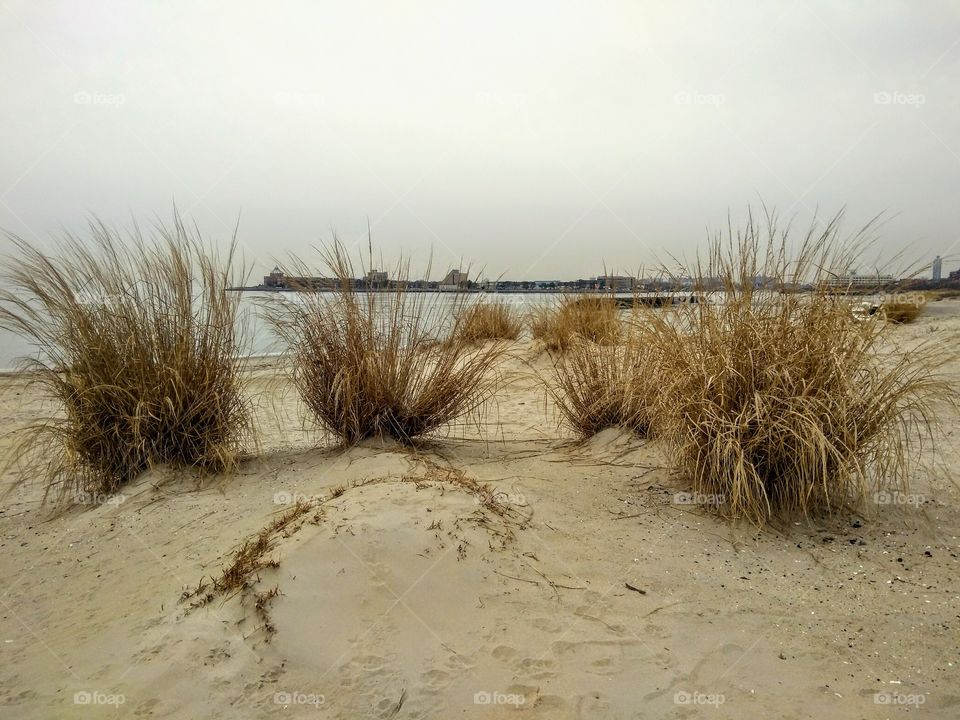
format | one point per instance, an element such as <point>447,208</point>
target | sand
<point>587,591</point>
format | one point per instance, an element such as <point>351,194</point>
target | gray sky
<point>538,139</point>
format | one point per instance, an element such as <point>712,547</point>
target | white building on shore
<point>855,279</point>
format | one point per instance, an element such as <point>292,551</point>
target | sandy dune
<point>589,590</point>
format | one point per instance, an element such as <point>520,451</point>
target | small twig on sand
<point>403,696</point>
<point>663,607</point>
<point>551,582</point>
<point>635,589</point>
<point>513,577</point>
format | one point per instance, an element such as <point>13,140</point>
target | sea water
<point>259,338</point>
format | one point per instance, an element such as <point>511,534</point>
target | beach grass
<point>137,340</point>
<point>383,364</point>
<point>597,386</point>
<point>560,325</point>
<point>777,403</point>
<point>482,321</point>
<point>902,312</point>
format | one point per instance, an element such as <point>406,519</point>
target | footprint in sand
<point>435,680</point>
<point>548,624</point>
<point>536,665</point>
<point>459,663</point>
<point>592,705</point>
<point>145,709</point>
<point>369,663</point>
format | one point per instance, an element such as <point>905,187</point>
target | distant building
<point>277,280</point>
<point>423,284</point>
<point>274,279</point>
<point>937,268</point>
<point>454,280</point>
<point>616,283</point>
<point>854,279</point>
<point>376,279</point>
<point>954,275</point>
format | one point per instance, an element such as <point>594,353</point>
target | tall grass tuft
<point>559,326</point>
<point>780,403</point>
<point>596,387</point>
<point>137,341</point>
<point>903,311</point>
<point>392,364</point>
<point>484,321</point>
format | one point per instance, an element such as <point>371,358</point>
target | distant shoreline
<point>471,291</point>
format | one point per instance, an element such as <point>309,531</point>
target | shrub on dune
<point>137,341</point>
<point>902,312</point>
<point>783,403</point>
<point>382,364</point>
<point>560,325</point>
<point>596,387</point>
<point>483,321</point>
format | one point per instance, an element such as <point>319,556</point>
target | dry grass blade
<point>138,342</point>
<point>393,363</point>
<point>780,402</point>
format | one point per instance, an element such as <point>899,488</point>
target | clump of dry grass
<point>942,294</point>
<point>484,321</point>
<point>903,311</point>
<point>251,557</point>
<point>596,387</point>
<point>137,340</point>
<point>248,560</point>
<point>779,403</point>
<point>383,364</point>
<point>560,325</point>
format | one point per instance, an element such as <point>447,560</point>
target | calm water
<point>262,341</point>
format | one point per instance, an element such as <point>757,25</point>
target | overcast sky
<point>537,139</point>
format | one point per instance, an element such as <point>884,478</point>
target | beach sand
<point>588,591</point>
